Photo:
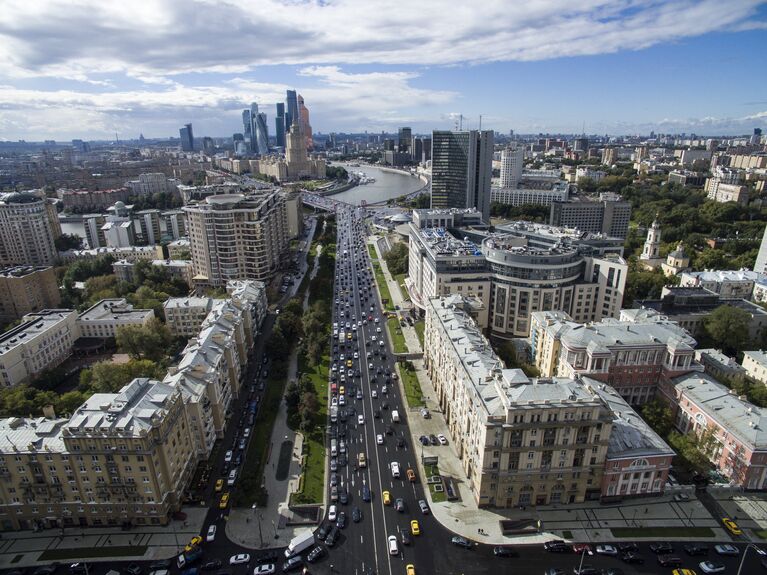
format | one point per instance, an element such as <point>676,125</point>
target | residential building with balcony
<point>27,289</point>
<point>184,315</point>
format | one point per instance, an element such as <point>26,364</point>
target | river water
<point>387,185</point>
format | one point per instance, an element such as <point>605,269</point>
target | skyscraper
<point>292,113</point>
<point>405,141</point>
<point>187,138</point>
<point>461,170</point>
<point>262,134</point>
<point>27,231</point>
<point>253,127</point>
<point>303,122</point>
<point>279,125</point>
<point>246,123</point>
<point>512,159</point>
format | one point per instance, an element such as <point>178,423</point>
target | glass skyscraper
<point>292,111</point>
<point>187,138</point>
<point>279,125</point>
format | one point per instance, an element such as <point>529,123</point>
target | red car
<point>582,548</point>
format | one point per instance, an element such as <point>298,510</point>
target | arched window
<point>640,463</point>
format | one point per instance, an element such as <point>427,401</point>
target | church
<point>677,260</point>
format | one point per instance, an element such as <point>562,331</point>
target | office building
<point>542,195</point>
<point>405,141</point>
<point>291,115</point>
<point>94,233</point>
<point>42,341</point>
<point>296,165</point>
<point>105,318</point>
<point>462,170</point>
<point>175,224</point>
<point>237,236</point>
<point>262,134</point>
<point>421,150</point>
<point>119,232</point>
<point>541,441</point>
<point>151,184</point>
<point>121,459</point>
<point>149,225</point>
<point>304,124</point>
<point>609,216</point>
<point>512,162</point>
<point>726,283</point>
<point>279,125</point>
<point>27,289</point>
<point>187,138</point>
<point>247,125</point>
<point>631,357</point>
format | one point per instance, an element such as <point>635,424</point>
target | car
<point>333,479</point>
<point>323,531</point>
<point>194,542</point>
<point>265,569</point>
<point>711,567</point>
<point>681,497</point>
<point>731,526</point>
<point>632,558</point>
<point>239,559</point>
<point>627,546</point>
<point>333,464</point>
<point>393,545</point>
<point>219,485</point>
<point>411,475</point>
<point>683,572</point>
<point>501,551</point>
<point>356,515</point>
<point>366,494</point>
<point>386,498</point>
<point>332,537</point>
<point>727,549</point>
<point>389,430</point>
<point>693,549</point>
<point>459,541</point>
<point>292,564</point>
<point>442,439</point>
<point>315,554</point>
<point>395,469</point>
<point>661,548</point>
<point>405,537</point>
<point>343,496</point>
<point>415,528</point>
<point>74,569</point>
<point>424,506</point>
<point>424,439</point>
<point>554,571</point>
<point>379,439</point>
<point>586,570</point>
<point>374,394</point>
<point>583,548</point>
<point>557,546</point>
<point>332,513</point>
<point>211,536</point>
<point>228,456</point>
<point>159,565</point>
<point>399,505</point>
<point>334,493</point>
<point>669,561</point>
<point>341,521</point>
<point>360,419</point>
<point>400,442</point>
<point>433,439</point>
<point>224,501</point>
<point>607,550</point>
<point>132,569</point>
<point>410,569</point>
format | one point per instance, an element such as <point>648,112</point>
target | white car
<point>360,419</point>
<point>334,401</point>
<point>606,550</point>
<point>395,470</point>
<point>379,439</point>
<point>711,567</point>
<point>228,456</point>
<point>332,513</point>
<point>267,569</point>
<point>393,547</point>
<point>378,330</point>
<point>374,393</point>
<point>373,338</point>
<point>239,559</point>
<point>341,400</point>
<point>356,355</point>
<point>211,534</point>
<point>727,549</point>
<point>442,439</point>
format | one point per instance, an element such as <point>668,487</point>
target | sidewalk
<point>266,528</point>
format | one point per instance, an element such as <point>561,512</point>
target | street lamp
<point>583,554</point>
<point>745,551</point>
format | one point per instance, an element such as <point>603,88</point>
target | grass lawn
<point>77,552</point>
<point>395,332</point>
<point>383,287</point>
<point>249,489</point>
<point>314,441</point>
<point>420,326</point>
<point>372,252</point>
<point>413,392</point>
<point>661,532</point>
<point>436,496</point>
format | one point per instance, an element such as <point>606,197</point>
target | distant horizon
<point>92,69</point>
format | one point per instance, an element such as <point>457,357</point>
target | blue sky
<point>86,69</point>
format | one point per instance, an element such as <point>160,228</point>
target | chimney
<point>49,412</point>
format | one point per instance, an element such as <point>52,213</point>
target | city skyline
<point>611,67</point>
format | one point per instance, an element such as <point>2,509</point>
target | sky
<point>92,69</point>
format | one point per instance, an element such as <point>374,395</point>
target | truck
<point>299,543</point>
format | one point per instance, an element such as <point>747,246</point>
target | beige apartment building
<point>26,289</point>
<point>105,318</point>
<point>184,315</point>
<point>237,236</point>
<point>121,459</point>
<point>28,227</point>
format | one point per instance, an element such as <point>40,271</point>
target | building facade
<point>609,216</point>
<point>105,318</point>
<point>28,230</point>
<point>726,283</point>
<point>512,163</point>
<point>27,289</point>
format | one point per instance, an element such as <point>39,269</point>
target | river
<point>387,185</point>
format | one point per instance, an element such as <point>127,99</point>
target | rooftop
<point>759,357</point>
<point>724,275</point>
<point>442,242</point>
<point>118,308</point>
<point>26,435</point>
<point>188,302</point>
<point>21,271</point>
<point>34,324</point>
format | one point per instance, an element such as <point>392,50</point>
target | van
<point>333,447</point>
<point>361,460</point>
<point>395,416</point>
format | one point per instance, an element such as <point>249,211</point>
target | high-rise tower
<point>187,138</point>
<point>292,114</point>
<point>461,170</point>
<point>262,134</point>
<point>512,159</point>
<point>303,122</point>
<point>279,125</point>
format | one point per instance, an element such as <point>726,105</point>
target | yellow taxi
<point>415,529</point>
<point>219,485</point>
<point>386,498</point>
<point>342,390</point>
<point>224,501</point>
<point>196,540</point>
<point>410,569</point>
<point>349,336</point>
<point>349,363</point>
<point>732,527</point>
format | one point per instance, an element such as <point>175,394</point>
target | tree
<point>397,258</point>
<point>727,326</point>
<point>68,402</point>
<point>68,242</point>
<point>107,377</point>
<point>658,415</point>
<point>144,341</point>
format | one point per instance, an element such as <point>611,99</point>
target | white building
<point>42,341</point>
<point>105,318</point>
<point>119,233</point>
<point>727,283</point>
<point>760,266</point>
<point>520,196</point>
<point>755,364</point>
<point>512,162</point>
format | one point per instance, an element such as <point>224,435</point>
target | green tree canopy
<point>148,341</point>
<point>727,326</point>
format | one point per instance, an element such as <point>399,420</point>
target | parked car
<point>461,542</point>
<point>501,551</point>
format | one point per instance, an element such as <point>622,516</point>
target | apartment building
<point>609,216</point>
<point>28,228</point>
<point>720,192</point>
<point>631,357</point>
<point>731,428</point>
<point>558,192</point>
<point>726,283</point>
<point>105,318</point>
<point>184,315</point>
<point>179,249</point>
<point>121,459</point>
<point>93,200</point>
<point>175,224</point>
<point>755,365</point>
<point>537,441</point>
<point>719,365</point>
<point>149,226</point>
<point>131,254</point>
<point>42,341</point>
<point>237,236</point>
<point>26,289</point>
